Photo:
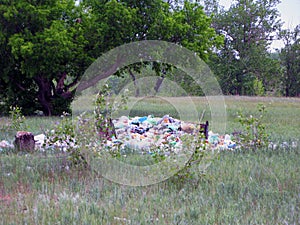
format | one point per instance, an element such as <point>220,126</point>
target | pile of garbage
<point>144,133</point>
<point>148,132</point>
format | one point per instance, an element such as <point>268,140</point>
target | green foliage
<point>290,62</point>
<point>152,20</point>
<point>104,107</point>
<point>18,120</point>
<point>196,166</point>
<point>258,87</point>
<point>44,48</point>
<point>63,139</point>
<point>254,135</point>
<point>63,133</point>
<point>245,55</point>
<point>49,44</point>
<point>77,135</point>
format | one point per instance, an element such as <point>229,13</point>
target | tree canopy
<point>43,45</point>
<point>248,28</point>
<point>49,44</point>
<point>46,45</point>
<point>290,61</point>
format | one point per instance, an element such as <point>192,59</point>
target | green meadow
<point>239,187</point>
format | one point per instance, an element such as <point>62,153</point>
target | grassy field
<point>239,187</point>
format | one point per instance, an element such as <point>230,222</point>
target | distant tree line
<point>46,46</point>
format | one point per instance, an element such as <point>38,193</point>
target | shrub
<point>18,120</point>
<point>258,87</point>
<point>254,134</point>
<point>62,138</point>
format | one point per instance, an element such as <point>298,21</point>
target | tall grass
<point>239,187</point>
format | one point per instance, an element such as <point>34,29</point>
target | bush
<point>253,136</point>
<point>17,118</point>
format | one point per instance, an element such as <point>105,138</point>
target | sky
<point>290,15</point>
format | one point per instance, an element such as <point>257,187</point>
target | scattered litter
<point>5,144</point>
<point>39,140</point>
<point>221,142</point>
<point>294,144</point>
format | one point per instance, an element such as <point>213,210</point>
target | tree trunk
<point>288,80</point>
<point>44,94</point>
<point>137,90</point>
<point>160,80</point>
<point>158,83</point>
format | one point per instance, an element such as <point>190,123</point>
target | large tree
<point>117,22</point>
<point>249,28</point>
<point>290,61</point>
<point>43,48</point>
<point>130,20</point>
<point>49,44</point>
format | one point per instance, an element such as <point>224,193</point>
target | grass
<point>244,188</point>
<point>282,117</point>
<point>239,188</point>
